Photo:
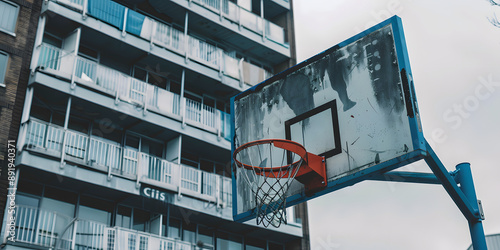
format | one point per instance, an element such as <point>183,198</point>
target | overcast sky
<point>454,51</point>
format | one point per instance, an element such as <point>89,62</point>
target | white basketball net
<point>269,187</point>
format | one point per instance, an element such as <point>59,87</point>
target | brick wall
<point>19,49</point>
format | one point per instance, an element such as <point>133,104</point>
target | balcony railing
<point>52,230</point>
<point>114,159</point>
<point>247,19</point>
<point>164,35</point>
<point>39,227</point>
<point>129,89</point>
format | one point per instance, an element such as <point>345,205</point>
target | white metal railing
<point>48,229</point>
<point>252,74</point>
<point>39,227</point>
<point>157,169</point>
<point>210,4</point>
<point>226,191</point>
<point>204,52</point>
<point>202,114</point>
<point>90,235</point>
<point>250,20</point>
<point>168,37</point>
<point>209,183</point>
<point>165,101</point>
<point>101,153</point>
<point>76,144</point>
<point>164,35</point>
<point>130,160</point>
<point>121,238</point>
<point>36,134</point>
<point>193,110</point>
<point>50,57</point>
<point>190,179</point>
<point>104,153</point>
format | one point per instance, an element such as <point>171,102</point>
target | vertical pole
<point>467,187</point>
<point>38,43</point>
<point>186,38</point>
<point>263,21</point>
<point>181,99</point>
<point>25,118</point>
<point>66,121</point>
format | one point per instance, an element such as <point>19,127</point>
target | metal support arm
<point>458,184</point>
<point>450,185</point>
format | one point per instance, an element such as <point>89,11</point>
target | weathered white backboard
<point>354,104</point>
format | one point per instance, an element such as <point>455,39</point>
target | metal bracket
<point>480,206</point>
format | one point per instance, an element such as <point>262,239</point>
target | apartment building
<point>124,138</point>
<point>18,23</point>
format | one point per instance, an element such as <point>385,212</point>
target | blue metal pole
<point>475,225</point>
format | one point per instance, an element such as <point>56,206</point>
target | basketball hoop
<point>279,162</point>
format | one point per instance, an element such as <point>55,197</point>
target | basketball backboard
<point>354,104</point>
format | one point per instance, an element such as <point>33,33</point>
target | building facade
<point>124,138</point>
<point>18,24</point>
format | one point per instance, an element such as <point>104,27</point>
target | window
<point>8,17</point>
<point>205,236</point>
<point>227,241</point>
<point>123,217</point>
<point>94,209</point>
<point>3,67</point>
<point>140,220</point>
<point>189,232</point>
<point>174,229</point>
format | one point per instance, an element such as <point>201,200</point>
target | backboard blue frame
<point>418,141</point>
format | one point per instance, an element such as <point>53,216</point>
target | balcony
<point>125,88</point>
<point>245,18</point>
<point>48,229</point>
<point>163,35</point>
<point>114,159</point>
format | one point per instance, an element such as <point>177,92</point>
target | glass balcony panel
<point>231,67</point>
<point>253,75</point>
<point>230,10</point>
<point>275,32</point>
<point>251,21</point>
<point>167,102</point>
